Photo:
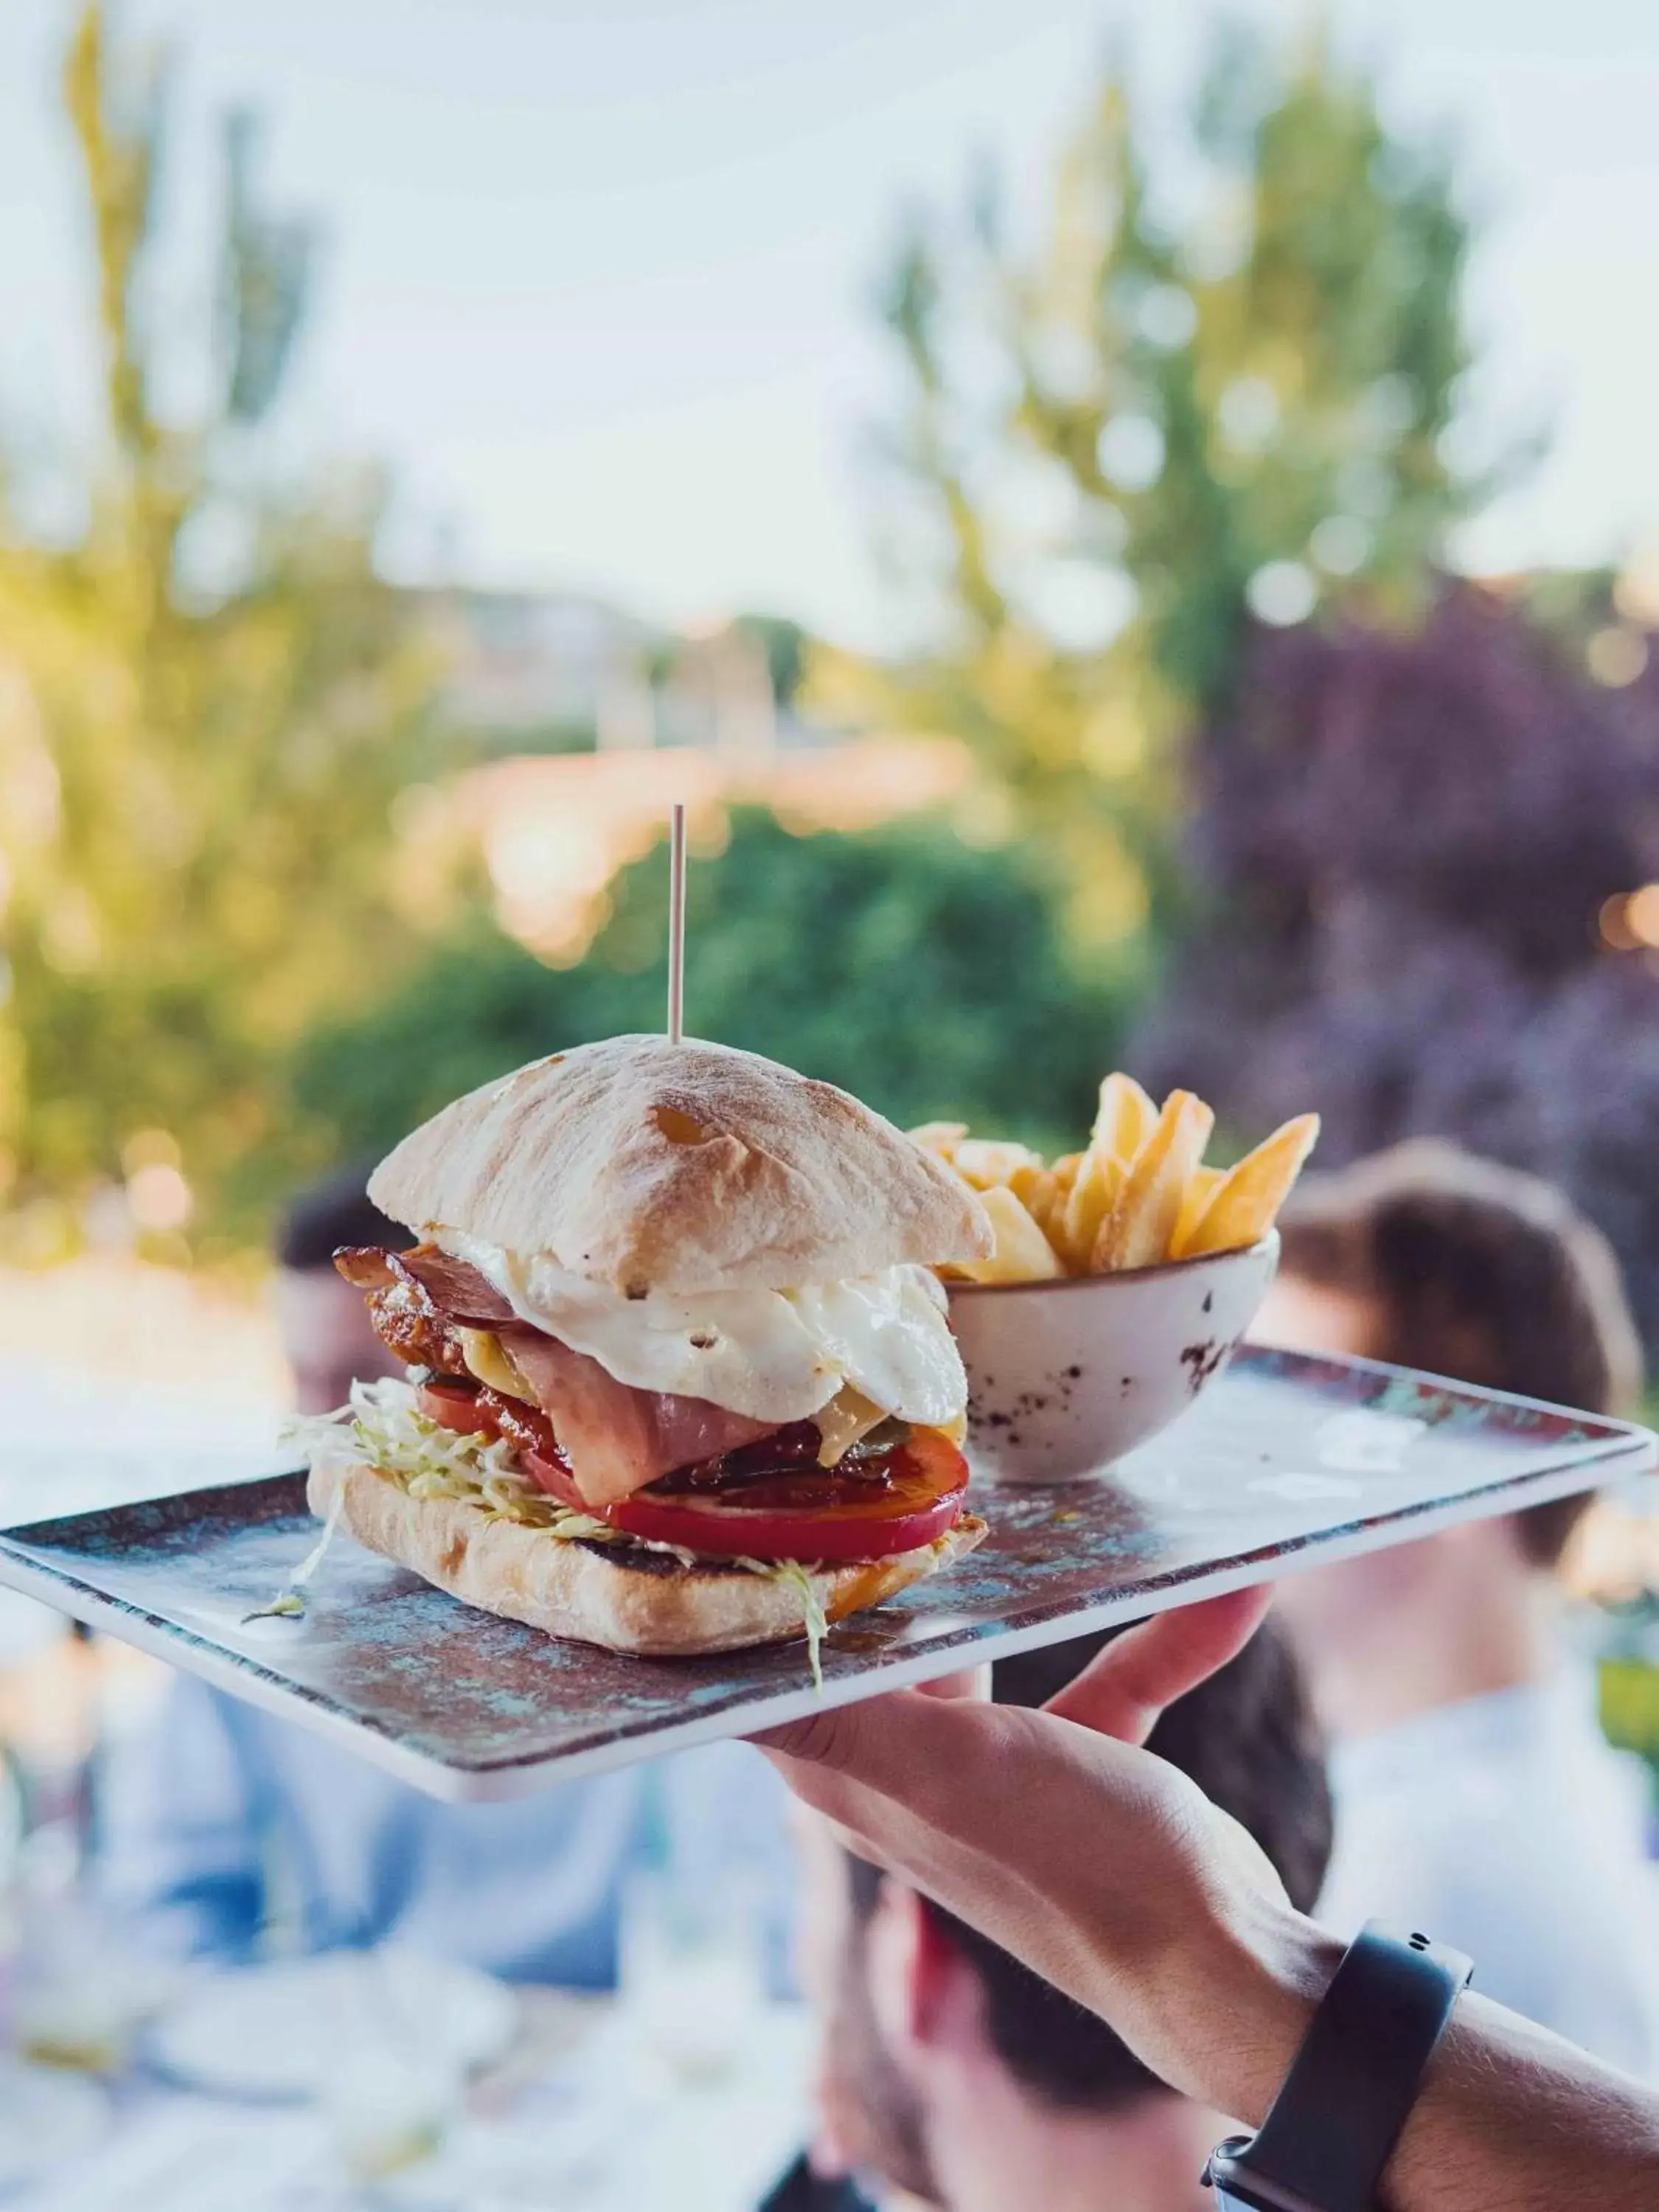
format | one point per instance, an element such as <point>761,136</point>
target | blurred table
<point>76,1442</point>
<point>584,2118</point>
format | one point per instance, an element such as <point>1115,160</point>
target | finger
<point>972,1685</point>
<point>909,1748</point>
<point>1122,1692</point>
<point>853,1739</point>
<point>832,1742</point>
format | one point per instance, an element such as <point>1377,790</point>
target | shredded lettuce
<point>314,1558</point>
<point>383,1427</point>
<point>813,1618</point>
<point>287,1604</point>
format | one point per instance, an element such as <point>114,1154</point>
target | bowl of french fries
<point>1122,1279</point>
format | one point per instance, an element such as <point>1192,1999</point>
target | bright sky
<point>597,276</point>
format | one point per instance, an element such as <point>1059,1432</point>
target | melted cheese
<point>848,1416</point>
<point>487,1358</point>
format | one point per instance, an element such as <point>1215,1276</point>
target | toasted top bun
<point>649,1166</point>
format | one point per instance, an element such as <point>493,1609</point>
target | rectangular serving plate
<point>1284,1461</point>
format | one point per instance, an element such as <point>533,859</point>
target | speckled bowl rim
<point>1268,1243</point>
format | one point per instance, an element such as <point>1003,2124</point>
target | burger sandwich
<point>679,1374</point>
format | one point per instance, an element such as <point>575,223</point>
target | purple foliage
<point>1401,844</point>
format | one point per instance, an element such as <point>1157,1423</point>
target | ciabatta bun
<point>623,1597</point>
<point>649,1166</point>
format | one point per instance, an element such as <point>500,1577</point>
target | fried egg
<point>776,1355</point>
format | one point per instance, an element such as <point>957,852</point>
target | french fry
<point>1023,1253</point>
<point>1037,1191</point>
<point>1136,1233</point>
<point>1088,1203</point>
<point>985,1164</point>
<point>1138,1195</point>
<point>1201,1189</point>
<point>1126,1118</point>
<point>940,1137</point>
<point>1243,1203</point>
<point>1065,1172</point>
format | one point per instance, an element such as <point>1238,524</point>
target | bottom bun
<point>623,1597</point>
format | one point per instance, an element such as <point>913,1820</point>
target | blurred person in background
<point>950,2073</point>
<point>328,1339</point>
<point>1475,1793</point>
<point>227,1833</point>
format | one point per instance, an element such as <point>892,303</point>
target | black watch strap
<point>1334,2125</point>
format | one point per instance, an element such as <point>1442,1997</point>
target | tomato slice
<point>474,1409</point>
<point>905,1498</point>
<point>770,1501</point>
<point>529,1432</point>
<point>457,1405</point>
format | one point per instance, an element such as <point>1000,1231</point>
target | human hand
<point>1102,1868</point>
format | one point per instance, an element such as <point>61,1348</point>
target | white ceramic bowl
<point>1065,1377</point>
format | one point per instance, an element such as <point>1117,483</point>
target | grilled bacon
<point>617,1439</point>
<point>419,1301</point>
<point>413,1330</point>
<point>455,1287</point>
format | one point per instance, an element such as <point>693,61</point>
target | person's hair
<point>1479,1273</point>
<point>1247,1737</point>
<point>317,1222</point>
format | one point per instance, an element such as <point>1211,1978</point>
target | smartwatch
<point>1334,2125</point>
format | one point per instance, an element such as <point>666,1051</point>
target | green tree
<point>928,978</point>
<point>1220,382</point>
<point>786,645</point>
<point>208,699</point>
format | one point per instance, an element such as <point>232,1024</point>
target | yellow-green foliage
<point>1112,420</point>
<point>208,699</point>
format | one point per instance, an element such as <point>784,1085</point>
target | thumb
<point>828,1739</point>
<point>855,1739</point>
<point>919,1751</point>
<point>972,1684</point>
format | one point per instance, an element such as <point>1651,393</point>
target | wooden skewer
<point>676,924</point>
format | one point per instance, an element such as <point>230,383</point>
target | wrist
<point>1244,2003</point>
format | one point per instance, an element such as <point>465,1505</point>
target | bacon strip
<point>413,1330</point>
<point>365,1267</point>
<point>455,1287</point>
<point>615,1438</point>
